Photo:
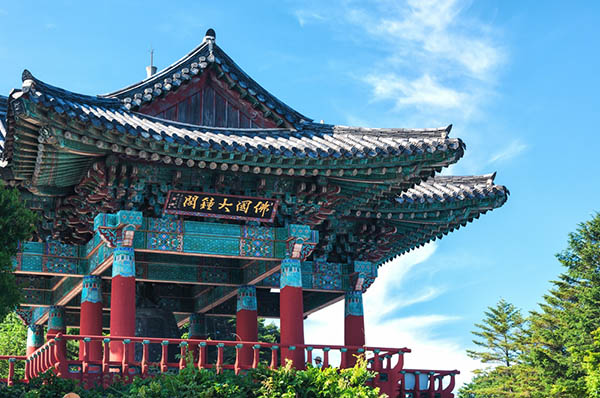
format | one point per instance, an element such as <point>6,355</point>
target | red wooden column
<point>122,300</point>
<point>246,322</point>
<point>35,338</point>
<point>354,324</point>
<point>291,312</point>
<point>90,321</point>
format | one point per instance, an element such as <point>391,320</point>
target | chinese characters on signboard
<point>220,206</point>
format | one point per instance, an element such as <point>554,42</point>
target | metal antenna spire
<point>151,70</point>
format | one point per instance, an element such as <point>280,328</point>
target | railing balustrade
<point>387,362</point>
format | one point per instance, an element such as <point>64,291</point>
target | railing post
<point>236,365</point>
<point>60,350</point>
<point>105,362</point>
<point>182,354</point>
<point>309,358</point>
<point>402,383</point>
<point>219,364</point>
<point>447,393</point>
<point>344,356</point>
<point>11,372</point>
<point>85,366</point>
<point>376,362</point>
<point>256,356</point>
<point>144,364</point>
<point>274,349</point>
<point>163,358</point>
<point>326,357</point>
<point>125,359</point>
<point>201,355</point>
<point>431,390</point>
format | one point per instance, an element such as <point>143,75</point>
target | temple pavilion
<point>196,194</point>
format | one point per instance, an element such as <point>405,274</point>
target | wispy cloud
<point>422,91</point>
<point>515,148</point>
<point>306,16</point>
<point>433,55</point>
<point>415,332</point>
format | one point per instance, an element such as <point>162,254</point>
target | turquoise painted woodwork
<point>123,262</point>
<point>291,273</point>
<point>91,291</point>
<point>35,335</point>
<point>56,318</point>
<point>246,298</point>
<point>197,325</point>
<point>353,304</point>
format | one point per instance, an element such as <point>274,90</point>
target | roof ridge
<point>207,54</point>
<point>30,83</point>
<point>160,75</point>
<point>482,178</point>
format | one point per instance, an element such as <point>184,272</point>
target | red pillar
<point>35,338</point>
<point>291,312</point>
<point>122,300</point>
<point>90,321</point>
<point>354,324</point>
<point>246,322</point>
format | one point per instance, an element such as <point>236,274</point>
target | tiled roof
<point>203,57</point>
<point>310,140</point>
<point>453,188</point>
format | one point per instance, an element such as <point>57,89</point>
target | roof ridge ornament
<point>210,37</point>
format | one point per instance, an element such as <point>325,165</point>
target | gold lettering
<point>243,206</point>
<point>225,205</point>
<point>207,203</point>
<point>262,207</point>
<point>190,201</point>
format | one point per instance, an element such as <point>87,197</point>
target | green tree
<point>499,335</point>
<point>16,224</point>
<point>500,341</point>
<point>13,338</point>
<point>562,330</point>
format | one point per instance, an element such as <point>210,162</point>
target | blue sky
<point>519,81</point>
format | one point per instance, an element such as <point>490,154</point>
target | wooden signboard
<point>216,205</point>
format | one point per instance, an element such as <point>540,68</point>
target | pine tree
<point>562,330</point>
<point>499,335</point>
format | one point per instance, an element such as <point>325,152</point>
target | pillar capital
<point>353,303</point>
<point>291,273</point>
<point>91,290</point>
<point>301,241</point>
<point>118,229</point>
<point>35,336</point>
<point>246,298</point>
<point>123,262</point>
<point>365,274</point>
<point>56,318</point>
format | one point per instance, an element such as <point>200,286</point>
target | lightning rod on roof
<point>151,69</point>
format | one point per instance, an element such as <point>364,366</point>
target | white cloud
<point>515,148</point>
<point>422,91</point>
<point>414,332</point>
<point>307,16</point>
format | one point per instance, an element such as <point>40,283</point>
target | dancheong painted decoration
<point>220,206</point>
<point>195,194</point>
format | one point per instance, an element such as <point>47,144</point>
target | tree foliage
<point>560,345</point>
<point>13,339</point>
<point>16,224</point>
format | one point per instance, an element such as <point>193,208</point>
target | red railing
<point>391,378</point>
<point>10,379</point>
